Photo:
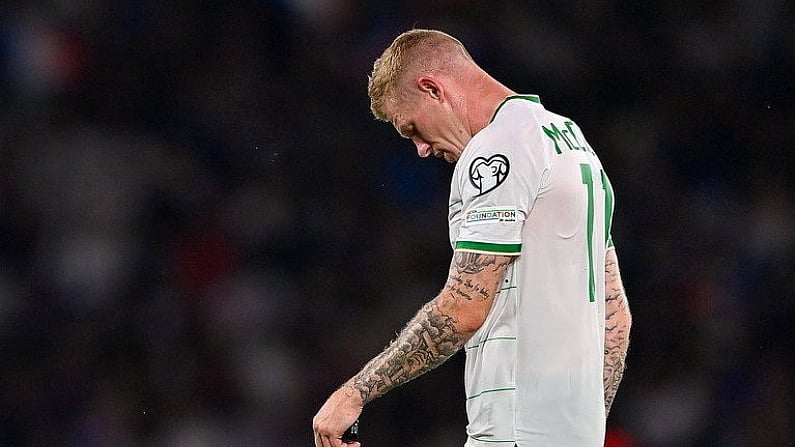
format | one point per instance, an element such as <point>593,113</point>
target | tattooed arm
<point>433,335</point>
<point>439,329</point>
<point>618,322</point>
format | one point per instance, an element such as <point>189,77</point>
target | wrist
<point>352,392</point>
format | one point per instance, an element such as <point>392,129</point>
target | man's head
<point>413,52</point>
<point>428,86</point>
<point>416,85</point>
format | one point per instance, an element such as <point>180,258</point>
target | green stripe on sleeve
<point>495,441</point>
<point>508,249</point>
<point>494,390</point>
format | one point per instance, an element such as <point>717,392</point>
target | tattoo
<point>433,335</point>
<point>466,262</point>
<point>465,288</point>
<point>617,326</point>
<point>427,341</point>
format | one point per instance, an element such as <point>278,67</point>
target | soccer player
<point>534,295</point>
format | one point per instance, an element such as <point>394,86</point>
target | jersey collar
<point>533,98</point>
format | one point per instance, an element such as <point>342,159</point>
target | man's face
<point>429,124</point>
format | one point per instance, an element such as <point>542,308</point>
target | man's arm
<point>431,337</point>
<point>618,322</point>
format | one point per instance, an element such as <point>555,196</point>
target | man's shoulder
<point>511,127</point>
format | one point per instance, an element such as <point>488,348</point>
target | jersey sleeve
<point>499,184</point>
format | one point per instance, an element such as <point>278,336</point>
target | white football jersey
<point>529,185</point>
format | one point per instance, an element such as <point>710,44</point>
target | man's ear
<point>430,87</point>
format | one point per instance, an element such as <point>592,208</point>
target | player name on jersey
<point>568,135</point>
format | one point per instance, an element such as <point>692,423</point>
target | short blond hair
<point>421,48</point>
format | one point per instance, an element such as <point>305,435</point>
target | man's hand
<point>339,412</point>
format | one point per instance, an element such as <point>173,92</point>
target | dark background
<point>203,231</point>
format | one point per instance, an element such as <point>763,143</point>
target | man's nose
<point>423,148</point>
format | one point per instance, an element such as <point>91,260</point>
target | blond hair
<point>416,49</point>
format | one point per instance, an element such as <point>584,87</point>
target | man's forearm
<point>615,364</point>
<point>427,341</point>
<point>439,329</point>
<point>618,322</point>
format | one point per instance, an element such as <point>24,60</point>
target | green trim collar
<point>533,98</point>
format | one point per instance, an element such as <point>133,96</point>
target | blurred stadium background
<point>203,231</point>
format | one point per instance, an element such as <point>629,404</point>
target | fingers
<point>327,441</point>
<point>322,440</point>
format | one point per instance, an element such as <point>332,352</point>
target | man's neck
<point>486,95</point>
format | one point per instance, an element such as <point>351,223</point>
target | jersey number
<point>587,179</point>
